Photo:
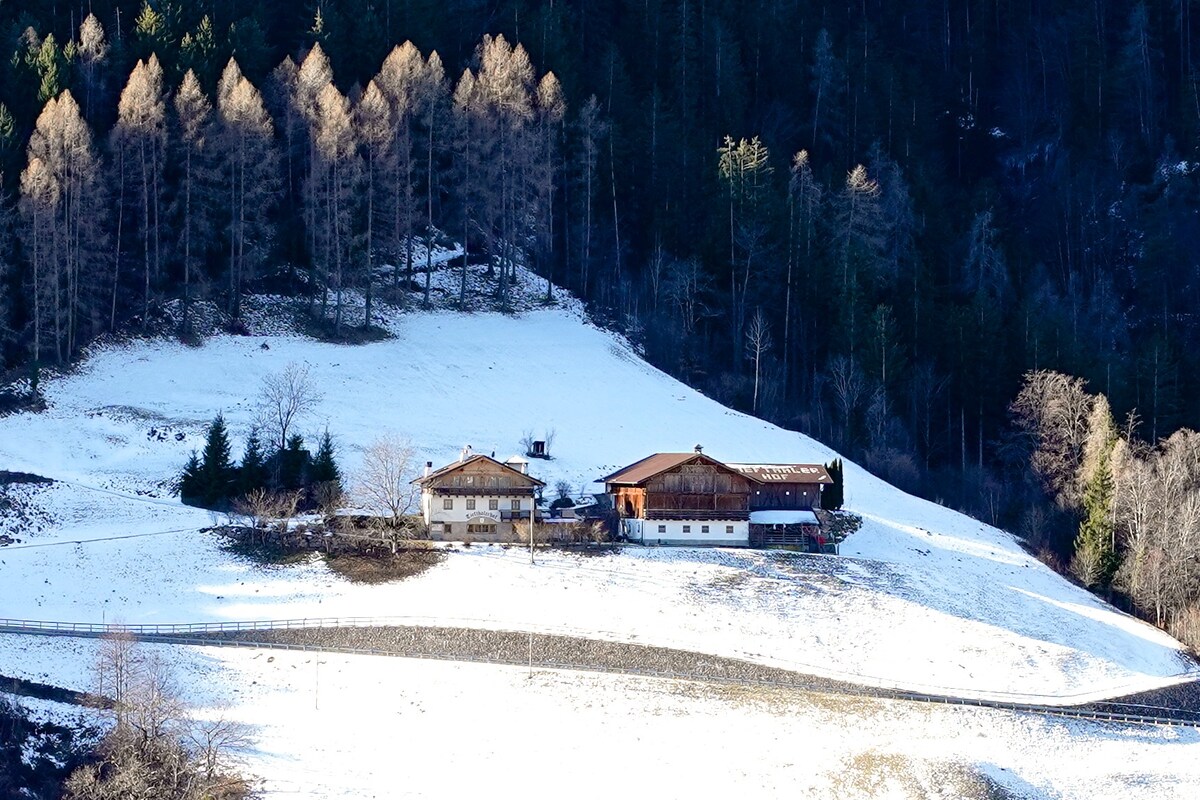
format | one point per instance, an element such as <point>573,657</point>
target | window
<point>481,528</point>
<point>493,505</point>
<point>687,528</point>
<point>662,528</point>
<point>729,529</point>
<point>704,529</point>
<point>516,505</point>
<point>448,504</point>
<point>471,504</point>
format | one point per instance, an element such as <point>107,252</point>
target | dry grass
<point>384,569</point>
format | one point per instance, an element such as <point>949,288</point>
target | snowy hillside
<point>922,598</point>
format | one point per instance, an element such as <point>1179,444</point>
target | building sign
<point>493,516</point>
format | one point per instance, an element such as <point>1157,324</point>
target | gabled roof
<point>456,465</point>
<point>641,471</point>
<point>785,473</point>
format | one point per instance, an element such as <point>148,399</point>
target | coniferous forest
<point>865,221</point>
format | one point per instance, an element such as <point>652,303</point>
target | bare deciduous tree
<point>758,342</point>
<point>1052,410</point>
<point>284,398</point>
<point>384,485</point>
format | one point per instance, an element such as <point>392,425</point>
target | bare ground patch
<point>383,569</point>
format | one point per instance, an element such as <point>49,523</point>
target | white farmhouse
<point>478,498</point>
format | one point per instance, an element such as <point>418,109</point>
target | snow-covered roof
<point>783,518</point>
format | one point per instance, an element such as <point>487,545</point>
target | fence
<point>507,647</point>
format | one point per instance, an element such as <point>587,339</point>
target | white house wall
<point>457,518</point>
<point>671,532</point>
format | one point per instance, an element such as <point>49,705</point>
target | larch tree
<point>590,130</point>
<point>140,134</point>
<point>468,149</point>
<point>505,93</point>
<point>374,122</point>
<point>804,203</point>
<point>93,53</point>
<point>432,115</point>
<point>400,78</point>
<point>249,175</point>
<point>861,235</point>
<point>314,74</point>
<point>62,228</point>
<point>196,199</point>
<point>551,109</point>
<point>337,168</point>
<point>744,168</point>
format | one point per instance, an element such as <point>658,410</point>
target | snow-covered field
<point>921,598</point>
<point>361,727</point>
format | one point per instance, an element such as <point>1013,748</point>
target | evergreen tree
<point>324,468</point>
<point>190,486</point>
<point>217,474</point>
<point>292,465</point>
<point>833,495</point>
<point>253,472</point>
<point>1095,561</point>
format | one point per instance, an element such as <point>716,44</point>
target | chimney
<point>699,449</point>
<point>428,468</point>
<point>466,451</point>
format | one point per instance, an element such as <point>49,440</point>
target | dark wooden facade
<point>698,488</point>
<point>785,487</point>
<point>805,537</point>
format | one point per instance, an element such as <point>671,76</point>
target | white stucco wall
<point>671,531</point>
<point>433,510</point>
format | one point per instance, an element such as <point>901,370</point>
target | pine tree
<point>217,473</point>
<point>833,495</point>
<point>292,464</point>
<point>198,53</point>
<point>1095,561</point>
<point>253,472</point>
<point>324,468</point>
<point>190,486</point>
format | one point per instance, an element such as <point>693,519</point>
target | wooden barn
<point>785,486</point>
<point>682,498</point>
<point>782,506</point>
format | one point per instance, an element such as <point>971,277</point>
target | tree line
<point>864,221</point>
<point>199,194</point>
<point>1134,506</point>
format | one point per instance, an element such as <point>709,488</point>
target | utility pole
<point>532,509</point>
